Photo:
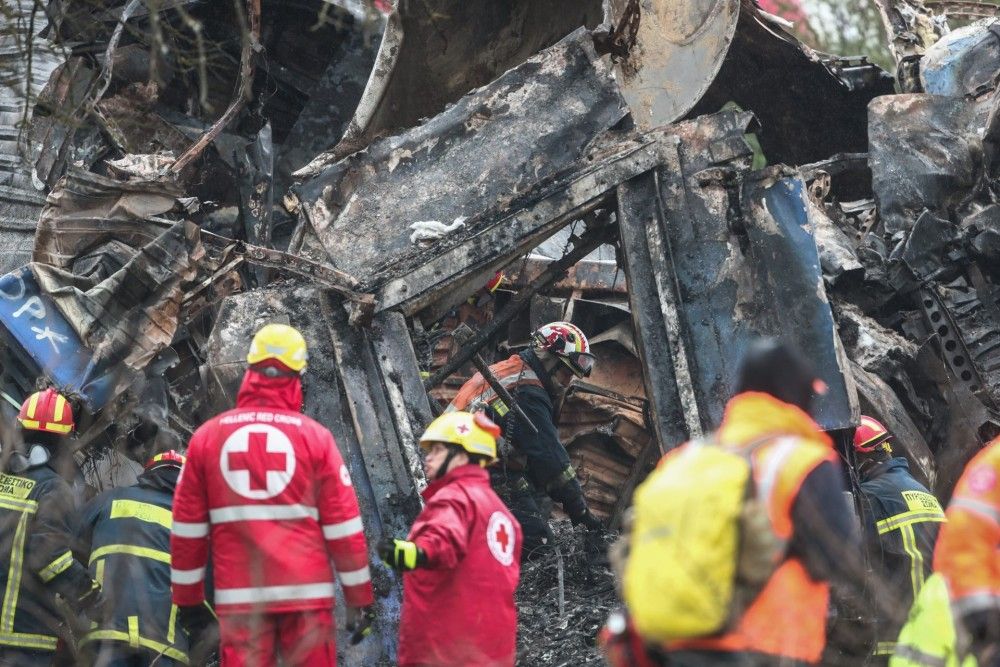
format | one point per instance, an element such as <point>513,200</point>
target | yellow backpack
<point>701,544</point>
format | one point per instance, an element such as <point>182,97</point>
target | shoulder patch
<point>345,476</point>
<point>500,537</point>
<point>982,479</point>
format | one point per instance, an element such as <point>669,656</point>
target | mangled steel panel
<point>925,154</point>
<point>730,261</point>
<point>32,321</point>
<point>963,62</point>
<point>809,108</point>
<point>539,116</point>
<point>680,47</point>
<point>433,53</point>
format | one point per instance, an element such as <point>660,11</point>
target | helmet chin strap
<point>443,470</point>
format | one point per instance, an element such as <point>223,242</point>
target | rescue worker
<point>930,636</point>
<point>36,561</point>
<point>266,489</point>
<point>536,378</point>
<point>462,557</point>
<point>124,534</point>
<point>900,518</point>
<point>968,558</point>
<point>786,622</point>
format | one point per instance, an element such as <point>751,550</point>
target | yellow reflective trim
<point>916,558</point>
<point>99,578</point>
<point>144,642</point>
<point>172,624</point>
<point>56,567</point>
<point>13,577</point>
<point>141,552</point>
<point>134,509</point>
<point>32,406</point>
<point>885,648</point>
<point>59,407</point>
<point>53,427</point>
<point>30,423</point>
<point>26,506</point>
<point>25,640</point>
<point>906,518</point>
<point>133,631</point>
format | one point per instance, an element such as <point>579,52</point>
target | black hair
<point>776,368</point>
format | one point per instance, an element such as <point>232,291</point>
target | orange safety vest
<point>477,394</point>
<point>967,549</point>
<point>788,617</point>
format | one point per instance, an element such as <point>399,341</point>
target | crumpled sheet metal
<point>115,274</point>
<point>963,62</point>
<point>539,116</point>
<point>925,153</point>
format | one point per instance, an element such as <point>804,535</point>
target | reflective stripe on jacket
<point>967,550</point>
<point>790,596</point>
<point>126,536</point>
<point>477,394</point>
<point>901,521</point>
<point>928,639</point>
<point>35,558</point>
<point>267,488</point>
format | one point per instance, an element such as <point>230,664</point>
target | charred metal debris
<point>675,181</point>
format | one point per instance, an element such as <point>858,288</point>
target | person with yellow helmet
<point>36,561</point>
<point>265,489</point>
<point>461,560</point>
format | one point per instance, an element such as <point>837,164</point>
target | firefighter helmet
<point>475,433</point>
<point>47,411</point>
<point>568,343</point>
<point>171,457</point>
<point>871,435</point>
<point>281,343</point>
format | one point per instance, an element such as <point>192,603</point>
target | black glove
<point>401,555</point>
<point>589,521</point>
<point>359,622</point>
<point>95,604</point>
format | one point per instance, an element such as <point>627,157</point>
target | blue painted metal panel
<point>36,325</point>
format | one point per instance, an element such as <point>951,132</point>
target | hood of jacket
<point>163,479</point>
<point>753,415</point>
<point>261,391</point>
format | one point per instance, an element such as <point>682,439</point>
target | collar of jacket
<point>471,472</point>
<point>535,364</point>
<point>753,415</point>
<point>882,467</point>
<point>164,479</point>
<point>260,391</point>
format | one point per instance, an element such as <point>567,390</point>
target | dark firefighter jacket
<point>125,536</point>
<point>901,521</point>
<point>36,560</point>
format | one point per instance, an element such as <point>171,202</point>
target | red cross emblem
<point>462,428</point>
<point>500,538</point>
<point>257,461</point>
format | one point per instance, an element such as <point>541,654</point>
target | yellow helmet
<point>475,433</point>
<point>281,343</point>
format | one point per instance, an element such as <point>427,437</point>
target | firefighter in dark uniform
<point>901,519</point>
<point>536,378</point>
<point>124,534</point>
<point>36,561</point>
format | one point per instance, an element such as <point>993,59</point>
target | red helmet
<point>869,435</point>
<point>566,341</point>
<point>47,411</point>
<point>171,457</point>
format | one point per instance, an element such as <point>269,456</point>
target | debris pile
<point>173,175</point>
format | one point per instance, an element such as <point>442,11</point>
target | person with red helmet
<point>36,561</point>
<point>538,462</point>
<point>900,518</point>
<point>124,536</point>
<point>266,490</point>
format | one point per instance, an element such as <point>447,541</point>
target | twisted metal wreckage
<point>701,175</point>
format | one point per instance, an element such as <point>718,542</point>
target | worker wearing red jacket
<point>462,556</point>
<point>266,489</point>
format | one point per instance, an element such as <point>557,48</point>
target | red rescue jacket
<point>266,487</point>
<point>459,609</point>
